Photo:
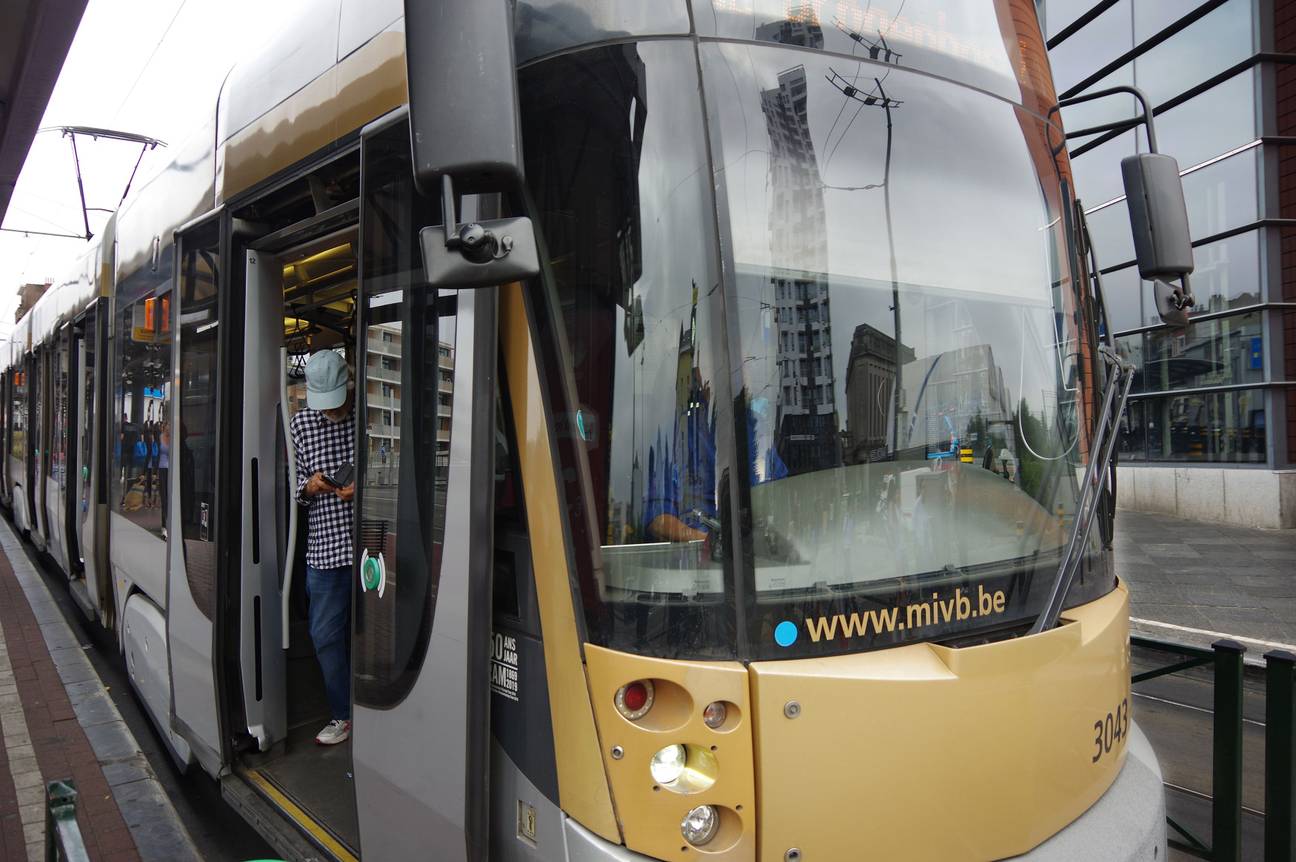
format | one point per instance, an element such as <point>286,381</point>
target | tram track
<point>1245,720</point>
<point>1176,714</point>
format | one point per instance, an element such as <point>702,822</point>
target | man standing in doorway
<point>324,438</point>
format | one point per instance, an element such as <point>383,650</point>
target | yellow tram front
<point>821,360</point>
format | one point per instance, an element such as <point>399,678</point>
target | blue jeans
<point>330,629</point>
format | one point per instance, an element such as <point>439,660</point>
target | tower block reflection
<point>798,237</point>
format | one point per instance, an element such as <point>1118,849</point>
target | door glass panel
<point>191,448</point>
<point>18,398</point>
<point>407,387</point>
<point>36,367</point>
<point>59,395</point>
<point>143,390</point>
<point>87,355</point>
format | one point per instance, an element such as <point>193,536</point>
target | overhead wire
<point>131,91</point>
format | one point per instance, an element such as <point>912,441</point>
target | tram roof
<point>33,45</point>
<point>309,85</point>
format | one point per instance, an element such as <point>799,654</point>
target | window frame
<point>391,139</point>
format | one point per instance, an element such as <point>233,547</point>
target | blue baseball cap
<point>326,380</point>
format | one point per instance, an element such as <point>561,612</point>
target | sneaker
<point>334,732</point>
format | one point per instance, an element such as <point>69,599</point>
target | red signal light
<point>636,696</point>
<point>633,700</point>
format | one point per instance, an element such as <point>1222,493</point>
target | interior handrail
<point>290,558</point>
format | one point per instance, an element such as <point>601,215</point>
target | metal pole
<point>62,835</point>
<point>1280,756</point>
<point>76,159</point>
<point>1226,785</point>
<point>895,279</point>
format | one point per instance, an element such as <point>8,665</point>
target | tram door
<point>261,659</point>
<point>36,443</point>
<point>75,462</point>
<point>194,528</point>
<point>62,455</point>
<point>84,486</point>
<point>422,611</point>
<point>44,362</point>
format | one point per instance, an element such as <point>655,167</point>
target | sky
<point>151,67</point>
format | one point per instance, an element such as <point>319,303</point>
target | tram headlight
<point>668,764</point>
<point>715,714</point>
<point>700,824</point>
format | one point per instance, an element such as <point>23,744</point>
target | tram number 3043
<point>1109,731</point>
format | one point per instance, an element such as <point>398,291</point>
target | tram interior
<point>319,313</point>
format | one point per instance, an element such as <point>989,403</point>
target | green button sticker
<point>371,573</point>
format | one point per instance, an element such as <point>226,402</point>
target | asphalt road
<point>217,831</point>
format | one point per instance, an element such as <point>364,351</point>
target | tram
<point>735,409</point>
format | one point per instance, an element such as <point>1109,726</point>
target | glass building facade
<point>1216,393</point>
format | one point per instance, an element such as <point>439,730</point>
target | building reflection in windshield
<point>870,388</point>
<point>901,310</point>
<point>806,412</point>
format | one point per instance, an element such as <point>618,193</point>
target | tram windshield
<point>865,422</point>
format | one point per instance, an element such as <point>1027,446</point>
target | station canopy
<point>34,42</point>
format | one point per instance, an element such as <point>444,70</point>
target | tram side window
<point>36,407</point>
<point>191,448</point>
<point>18,405</point>
<point>142,392</point>
<point>89,348</point>
<point>59,441</point>
<point>620,180</point>
<point>408,368</point>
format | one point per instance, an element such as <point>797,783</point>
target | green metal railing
<point>1280,756</point>
<point>63,842</point>
<point>1225,658</point>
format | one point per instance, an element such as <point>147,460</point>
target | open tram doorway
<point>301,298</point>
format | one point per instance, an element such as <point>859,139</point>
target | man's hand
<point>316,485</point>
<point>345,493</point>
<point>672,529</point>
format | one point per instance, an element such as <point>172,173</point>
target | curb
<point>1252,660</point>
<point>144,805</point>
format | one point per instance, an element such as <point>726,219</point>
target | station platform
<point>1195,582</point>
<point>59,723</point>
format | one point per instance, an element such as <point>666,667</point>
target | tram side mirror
<point>1159,222</point>
<point>465,137</point>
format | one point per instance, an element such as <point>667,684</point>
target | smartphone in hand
<point>341,477</point>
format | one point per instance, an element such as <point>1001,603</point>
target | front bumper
<point>1126,824</point>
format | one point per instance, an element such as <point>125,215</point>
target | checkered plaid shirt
<point>323,446</point>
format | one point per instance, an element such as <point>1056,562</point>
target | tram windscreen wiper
<point>1120,377</point>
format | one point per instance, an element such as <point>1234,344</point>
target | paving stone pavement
<point>58,723</point>
<point>1213,578</point>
